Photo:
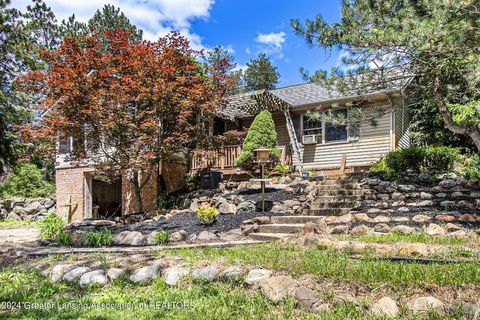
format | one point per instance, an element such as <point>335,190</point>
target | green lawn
<point>338,266</point>
<point>416,237</point>
<point>152,301</point>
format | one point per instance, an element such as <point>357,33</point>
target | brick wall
<point>70,182</point>
<point>149,195</point>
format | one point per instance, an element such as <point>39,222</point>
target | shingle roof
<point>247,104</point>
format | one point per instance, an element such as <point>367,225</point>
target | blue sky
<point>246,27</point>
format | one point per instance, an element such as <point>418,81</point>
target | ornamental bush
<point>207,215</point>
<point>260,134</point>
<point>26,180</point>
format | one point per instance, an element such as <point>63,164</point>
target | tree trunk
<point>137,191</point>
<point>472,132</point>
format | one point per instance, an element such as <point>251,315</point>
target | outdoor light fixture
<point>263,156</point>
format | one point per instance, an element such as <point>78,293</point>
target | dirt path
<point>18,235</point>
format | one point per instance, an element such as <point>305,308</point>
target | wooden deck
<point>224,159</point>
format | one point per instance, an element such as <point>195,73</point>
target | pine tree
<point>261,134</point>
<point>261,74</point>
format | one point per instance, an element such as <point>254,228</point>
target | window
<point>64,145</point>
<point>336,132</point>
<point>313,126</point>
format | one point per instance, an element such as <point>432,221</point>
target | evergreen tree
<point>220,65</point>
<point>110,19</point>
<point>261,134</point>
<point>42,26</point>
<point>261,74</point>
<point>431,45</point>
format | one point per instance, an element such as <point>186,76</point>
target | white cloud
<point>247,51</point>
<point>155,17</point>
<point>242,67</point>
<point>271,43</point>
<point>275,40</point>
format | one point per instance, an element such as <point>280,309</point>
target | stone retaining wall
<point>26,209</point>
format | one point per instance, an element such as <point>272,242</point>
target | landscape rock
<point>178,236</point>
<point>426,305</point>
<point>361,217</point>
<point>444,218</point>
<point>360,230</point>
<point>413,249</point>
<point>75,274</point>
<point>382,228</point>
<point>425,195</point>
<point>132,238</point>
<point>457,194</point>
<point>421,218</point>
<point>207,236</point>
<point>449,227</point>
<point>448,203</point>
<point>231,273</point>
<point>59,271</point>
<point>307,240</point>
<point>115,273</point>
<point>315,227</point>
<point>425,203</point>
<point>466,217</point>
<point>14,216</point>
<point>278,287</point>
<point>307,298</point>
<point>209,273</point>
<point>245,207</point>
<point>93,277</point>
<point>448,183</point>
<point>345,300</point>
<point>227,208</point>
<point>339,229</point>
<point>145,274</point>
<point>386,306</point>
<point>255,276</point>
<point>403,209</point>
<point>346,218</point>
<point>402,229</point>
<point>173,275</point>
<point>381,219</point>
<point>434,230</point>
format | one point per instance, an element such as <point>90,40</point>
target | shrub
<point>260,134</point>
<point>408,159</point>
<point>282,168</point>
<point>471,170</point>
<point>26,180</point>
<point>161,237</point>
<point>51,227</point>
<point>100,238</point>
<point>65,238</point>
<point>441,158</point>
<point>207,214</point>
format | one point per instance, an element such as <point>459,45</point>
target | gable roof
<point>248,104</point>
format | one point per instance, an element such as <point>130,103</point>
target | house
<point>307,143</point>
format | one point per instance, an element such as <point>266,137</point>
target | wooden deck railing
<point>224,158</point>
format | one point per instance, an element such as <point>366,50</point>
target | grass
<point>16,223</point>
<point>124,300</point>
<point>99,238</point>
<point>336,265</point>
<point>416,237</point>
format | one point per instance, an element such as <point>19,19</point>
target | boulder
<point>132,238</point>
<point>209,273</point>
<point>449,227</point>
<point>339,229</point>
<point>279,208</point>
<point>426,195</point>
<point>315,227</point>
<point>227,208</point>
<point>173,275</point>
<point>434,230</point>
<point>255,276</point>
<point>386,306</point>
<point>466,217</point>
<point>381,219</point>
<point>245,207</point>
<point>115,273</point>
<point>14,216</point>
<point>397,196</point>
<point>145,274</point>
<point>382,228</point>
<point>447,183</point>
<point>231,273</point>
<point>178,236</point>
<point>277,288</point>
<point>444,218</point>
<point>307,240</point>
<point>403,209</point>
<point>413,249</point>
<point>360,230</point>
<point>373,181</point>
<point>249,228</point>
<point>474,194</point>
<point>346,218</point>
<point>406,187</point>
<point>59,271</point>
<point>307,298</point>
<point>402,229</point>
<point>194,205</point>
<point>427,304</point>
<point>420,218</point>
<point>361,217</point>
<point>93,277</point>
<point>457,194</point>
<point>34,207</point>
<point>75,274</point>
<point>207,236</point>
<point>441,195</point>
<point>374,210</point>
<point>425,203</point>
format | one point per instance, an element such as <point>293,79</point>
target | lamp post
<point>262,156</point>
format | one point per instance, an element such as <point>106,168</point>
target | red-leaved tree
<point>127,105</point>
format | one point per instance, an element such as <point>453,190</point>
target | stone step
<point>340,192</point>
<point>336,204</point>
<point>335,198</point>
<point>294,219</point>
<point>338,182</point>
<point>267,236</point>
<point>281,227</point>
<point>338,187</point>
<point>326,212</point>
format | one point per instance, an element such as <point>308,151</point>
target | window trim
<point>324,133</point>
